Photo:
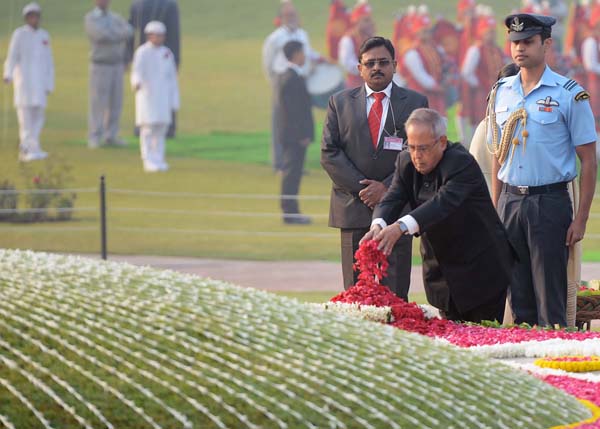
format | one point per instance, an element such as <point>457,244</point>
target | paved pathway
<point>279,276</point>
<point>293,276</point>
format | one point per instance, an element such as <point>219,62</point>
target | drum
<point>324,81</point>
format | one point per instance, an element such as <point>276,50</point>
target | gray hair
<point>431,118</point>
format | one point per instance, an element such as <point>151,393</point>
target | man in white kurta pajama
<point>154,78</point>
<point>29,66</point>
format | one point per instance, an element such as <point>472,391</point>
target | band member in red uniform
<point>363,28</point>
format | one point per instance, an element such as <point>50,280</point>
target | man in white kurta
<point>29,66</point>
<point>154,79</point>
<point>275,63</point>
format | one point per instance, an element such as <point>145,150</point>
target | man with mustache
<point>362,136</point>
<point>540,123</point>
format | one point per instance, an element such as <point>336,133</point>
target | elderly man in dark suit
<point>296,129</point>
<point>362,136</point>
<point>467,258</point>
<point>165,11</point>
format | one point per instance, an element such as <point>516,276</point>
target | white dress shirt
<point>386,104</point>
<point>411,224</point>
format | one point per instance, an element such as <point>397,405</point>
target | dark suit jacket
<point>165,11</point>
<point>348,155</point>
<point>465,248</point>
<point>294,109</point>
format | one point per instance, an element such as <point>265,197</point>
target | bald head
<point>102,4</point>
<point>289,15</point>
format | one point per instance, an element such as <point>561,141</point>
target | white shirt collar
<point>294,67</point>
<point>100,12</point>
<point>290,29</point>
<point>387,90</point>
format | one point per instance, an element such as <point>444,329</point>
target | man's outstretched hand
<point>375,229</point>
<point>386,237</point>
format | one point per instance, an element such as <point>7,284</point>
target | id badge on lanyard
<point>394,143</point>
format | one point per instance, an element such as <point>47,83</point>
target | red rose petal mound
<point>373,266</point>
<point>581,389</point>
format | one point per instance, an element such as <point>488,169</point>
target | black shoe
<point>296,219</point>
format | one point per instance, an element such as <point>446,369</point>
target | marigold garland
<point>570,363</point>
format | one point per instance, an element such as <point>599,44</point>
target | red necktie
<point>375,117</point>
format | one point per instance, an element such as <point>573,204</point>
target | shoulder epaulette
<point>582,95</point>
<point>570,84</point>
<point>494,88</point>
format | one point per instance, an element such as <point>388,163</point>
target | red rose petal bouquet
<point>373,265</point>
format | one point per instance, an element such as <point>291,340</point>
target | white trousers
<point>31,122</point>
<point>152,146</point>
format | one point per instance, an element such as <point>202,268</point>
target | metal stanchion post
<point>103,218</point>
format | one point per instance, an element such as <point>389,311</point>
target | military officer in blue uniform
<point>539,123</point>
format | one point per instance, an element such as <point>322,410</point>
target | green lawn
<point>222,147</point>
<point>199,226</point>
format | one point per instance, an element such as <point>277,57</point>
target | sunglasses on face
<point>383,62</point>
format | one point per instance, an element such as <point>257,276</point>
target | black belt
<point>534,190</point>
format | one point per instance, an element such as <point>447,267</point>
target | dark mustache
<point>376,74</point>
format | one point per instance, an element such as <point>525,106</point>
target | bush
<point>45,200</point>
<point>8,200</point>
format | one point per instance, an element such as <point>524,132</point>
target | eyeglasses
<point>426,148</point>
<point>383,62</point>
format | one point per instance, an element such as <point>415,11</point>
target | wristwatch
<point>402,227</point>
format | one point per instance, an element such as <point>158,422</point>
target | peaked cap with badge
<point>522,26</point>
